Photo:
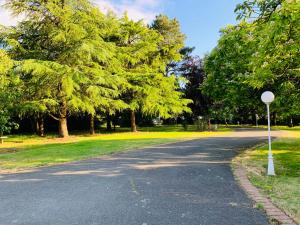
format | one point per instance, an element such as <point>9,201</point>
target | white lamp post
<point>268,97</point>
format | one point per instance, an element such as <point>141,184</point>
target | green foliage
<point>73,59</point>
<point>192,69</point>
<point>257,55</point>
<point>172,39</point>
<point>277,62</point>
<point>6,96</point>
<point>261,9</point>
<point>227,68</point>
<point>149,90</point>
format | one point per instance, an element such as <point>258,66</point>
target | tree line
<point>67,57</point>
<point>261,52</point>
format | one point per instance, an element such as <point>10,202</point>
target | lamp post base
<point>271,171</point>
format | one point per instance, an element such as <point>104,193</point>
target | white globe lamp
<point>267,97</point>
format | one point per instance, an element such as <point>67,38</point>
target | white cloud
<point>136,9</point>
<point>5,16</point>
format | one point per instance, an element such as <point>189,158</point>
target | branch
<point>54,117</point>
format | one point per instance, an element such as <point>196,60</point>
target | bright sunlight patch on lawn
<point>26,152</point>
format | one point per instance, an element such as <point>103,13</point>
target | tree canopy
<point>71,58</point>
<point>260,53</point>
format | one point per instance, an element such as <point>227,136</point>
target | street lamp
<point>268,97</point>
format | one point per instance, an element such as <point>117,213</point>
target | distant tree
<point>192,69</point>
<point>171,43</point>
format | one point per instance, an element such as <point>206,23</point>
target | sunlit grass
<point>31,151</point>
<point>284,188</point>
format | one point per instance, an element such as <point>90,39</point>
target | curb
<point>277,216</point>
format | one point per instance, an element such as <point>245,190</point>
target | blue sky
<point>200,20</point>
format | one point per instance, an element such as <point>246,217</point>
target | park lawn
<point>284,188</point>
<point>21,152</point>
<point>295,129</point>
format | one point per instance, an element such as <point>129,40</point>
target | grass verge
<point>21,152</point>
<point>284,188</point>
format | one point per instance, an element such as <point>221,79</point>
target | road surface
<point>186,183</point>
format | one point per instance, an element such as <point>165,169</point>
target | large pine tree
<point>149,91</point>
<point>68,64</point>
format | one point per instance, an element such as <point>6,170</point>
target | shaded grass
<point>287,128</point>
<point>167,128</point>
<point>35,151</point>
<point>284,188</point>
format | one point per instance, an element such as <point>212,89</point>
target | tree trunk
<point>291,123</point>
<point>108,122</point>
<point>132,121</point>
<point>209,124</point>
<point>41,126</point>
<point>37,126</point>
<point>114,122</point>
<point>63,127</point>
<point>275,118</point>
<point>92,124</point>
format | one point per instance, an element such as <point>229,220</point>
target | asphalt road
<point>187,183</point>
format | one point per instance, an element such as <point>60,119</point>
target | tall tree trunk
<point>63,127</point>
<point>108,122</point>
<point>275,118</point>
<point>41,126</point>
<point>114,122</point>
<point>291,123</point>
<point>37,126</point>
<point>209,124</point>
<point>92,124</point>
<point>132,121</point>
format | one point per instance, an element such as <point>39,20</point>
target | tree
<point>171,43</point>
<point>192,69</point>
<point>73,59</point>
<point>63,53</point>
<point>260,53</point>
<point>276,63</point>
<point>228,67</point>
<point>149,91</point>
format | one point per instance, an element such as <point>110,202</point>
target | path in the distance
<point>187,183</point>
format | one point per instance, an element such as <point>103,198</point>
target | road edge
<point>275,214</point>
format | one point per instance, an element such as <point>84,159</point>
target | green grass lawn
<point>284,188</point>
<point>295,128</point>
<point>20,152</point>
